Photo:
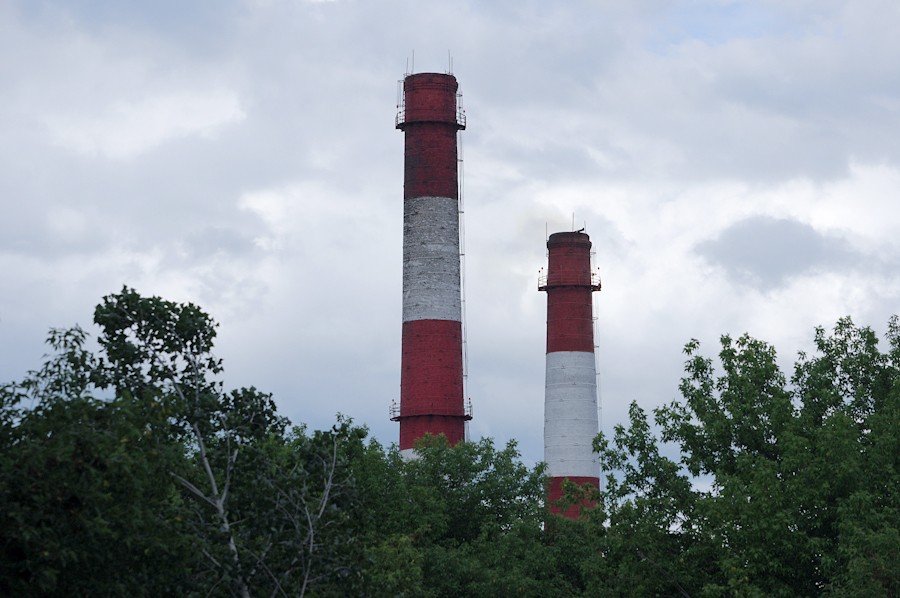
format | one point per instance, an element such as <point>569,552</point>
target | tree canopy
<point>131,470</point>
<point>782,487</point>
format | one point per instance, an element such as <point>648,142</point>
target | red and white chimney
<point>431,371</point>
<point>570,398</point>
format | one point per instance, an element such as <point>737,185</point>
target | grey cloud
<point>199,23</point>
<point>767,252</point>
<point>52,232</point>
<point>582,94</point>
<point>232,242</point>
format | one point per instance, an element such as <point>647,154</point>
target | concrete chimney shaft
<point>431,378</point>
<point>570,398</point>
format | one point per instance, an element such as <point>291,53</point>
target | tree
<point>801,477</point>
<point>146,475</point>
<point>85,492</point>
<point>131,470</point>
<point>454,520</point>
<point>137,456</point>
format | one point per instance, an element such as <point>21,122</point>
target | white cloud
<point>254,169</point>
<point>125,129</point>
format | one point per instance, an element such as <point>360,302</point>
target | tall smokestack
<point>431,371</point>
<point>570,398</point>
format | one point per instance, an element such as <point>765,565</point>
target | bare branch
<point>196,491</point>
<point>211,558</point>
<point>278,589</point>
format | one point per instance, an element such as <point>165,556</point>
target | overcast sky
<point>736,164</point>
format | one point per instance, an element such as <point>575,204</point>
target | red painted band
<point>431,391</point>
<point>569,323</point>
<point>413,428</point>
<point>430,166</point>
<point>429,97</point>
<point>431,370</point>
<point>569,259</point>
<point>430,126</point>
<point>555,492</point>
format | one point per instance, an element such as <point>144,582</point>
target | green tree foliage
<point>84,488</point>
<point>130,470</point>
<point>463,520</point>
<point>782,488</point>
<point>133,472</point>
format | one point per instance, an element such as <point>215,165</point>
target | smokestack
<point>570,398</point>
<point>431,371</point>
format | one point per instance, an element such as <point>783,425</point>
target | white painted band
<point>570,414</point>
<point>431,289</point>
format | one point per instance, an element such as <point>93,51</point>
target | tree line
<point>130,470</point>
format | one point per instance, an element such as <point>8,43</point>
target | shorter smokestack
<point>570,398</point>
